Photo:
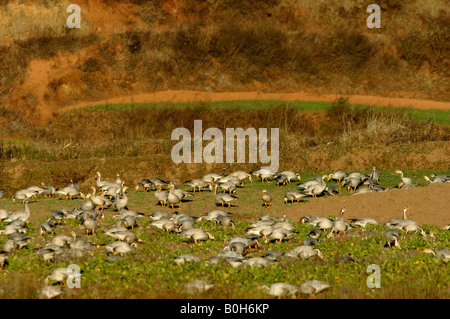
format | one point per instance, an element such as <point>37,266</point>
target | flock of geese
<point>112,195</point>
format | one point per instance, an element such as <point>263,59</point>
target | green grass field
<point>150,272</point>
<point>436,116</point>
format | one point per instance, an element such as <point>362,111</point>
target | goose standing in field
<point>264,174</point>
<point>242,175</point>
<point>120,247</point>
<point>2,193</point>
<point>304,252</point>
<point>145,183</point>
<point>47,227</point>
<point>437,179</point>
<point>392,236</point>
<point>226,221</point>
<point>337,176</point>
<point>290,175</point>
<point>227,187</point>
<point>363,222</point>
<point>118,180</point>
<point>443,253</point>
<point>198,286</point>
<point>72,184</point>
<point>182,194</point>
<point>68,192</point>
<point>165,224</point>
<point>121,202</point>
<point>131,221</point>
<point>38,190</point>
<point>172,198</point>
<point>405,180</point>
<point>267,198</point>
<point>340,227</point>
<point>374,174</point>
<point>279,234</point>
<point>48,190</point>
<point>59,276</point>
<point>4,255</point>
<point>398,222</point>
<point>49,292</point>
<point>315,233</point>
<point>4,213</point>
<point>90,225</point>
<point>293,194</point>
<point>281,290</point>
<point>312,287</point>
<point>162,197</point>
<point>192,258</point>
<point>196,234</point>
<point>20,215</point>
<point>158,215</point>
<point>315,221</point>
<point>23,195</point>
<point>213,215</point>
<point>224,198</point>
<point>211,178</point>
<point>99,200</point>
<point>258,262</point>
<point>440,177</point>
<point>353,183</point>
<point>317,188</point>
<point>231,179</point>
<point>198,184</point>
<point>100,183</point>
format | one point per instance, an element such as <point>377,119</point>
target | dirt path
<point>427,205</point>
<point>194,96</point>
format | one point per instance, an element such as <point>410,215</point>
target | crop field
<point>118,108</point>
<point>149,270</point>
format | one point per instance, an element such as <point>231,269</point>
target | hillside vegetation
<point>126,47</point>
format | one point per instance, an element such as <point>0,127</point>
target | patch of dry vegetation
<point>228,45</point>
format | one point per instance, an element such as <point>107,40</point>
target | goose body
<point>227,187</point>
<point>303,252</point>
<point>90,226</point>
<point>172,198</point>
<point>290,175</point>
<point>198,286</point>
<point>267,198</point>
<point>443,253</point>
<point>23,195</point>
<point>337,176</point>
<point>312,287</point>
<point>293,194</point>
<point>192,258</point>
<point>20,215</point>
<point>281,290</point>
<point>242,175</point>
<point>121,203</point>
<point>196,235</point>
<point>119,247</point>
<point>224,198</point>
<point>363,222</point>
<point>198,184</point>
<point>392,236</point>
<point>317,188</point>
<point>264,174</point>
<point>405,180</point>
